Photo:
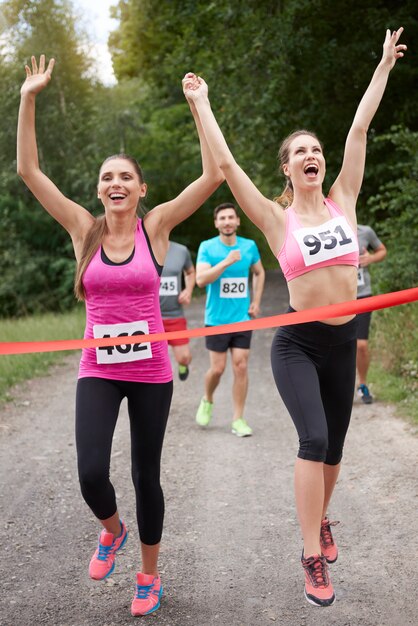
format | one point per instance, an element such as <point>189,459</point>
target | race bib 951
<point>326,242</point>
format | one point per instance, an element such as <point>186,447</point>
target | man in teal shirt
<point>224,265</point>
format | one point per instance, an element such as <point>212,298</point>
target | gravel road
<point>231,544</point>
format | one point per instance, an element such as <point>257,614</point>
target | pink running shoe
<point>328,546</point>
<point>147,596</point>
<point>318,587</point>
<point>102,562</point>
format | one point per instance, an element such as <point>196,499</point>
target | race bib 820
<point>234,287</point>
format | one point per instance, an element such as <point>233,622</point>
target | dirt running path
<point>231,544</point>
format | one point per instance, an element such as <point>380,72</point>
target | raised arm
<point>348,183</point>
<point>164,217</point>
<point>264,213</point>
<point>73,217</point>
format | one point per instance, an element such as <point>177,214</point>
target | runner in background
<point>119,261</point>
<point>315,241</point>
<point>223,266</point>
<point>367,240</point>
<point>178,266</point>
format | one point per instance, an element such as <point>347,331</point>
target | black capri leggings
<point>97,408</point>
<point>314,366</point>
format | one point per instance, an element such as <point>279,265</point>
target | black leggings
<point>314,366</point>
<point>97,408</point>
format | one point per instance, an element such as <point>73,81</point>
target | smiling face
<point>305,164</point>
<point>227,222</point>
<point>120,187</point>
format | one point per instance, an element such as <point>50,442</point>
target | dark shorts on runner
<point>172,324</point>
<point>363,323</point>
<point>314,366</point>
<point>221,343</point>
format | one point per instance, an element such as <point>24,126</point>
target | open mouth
<point>116,196</point>
<point>311,170</point>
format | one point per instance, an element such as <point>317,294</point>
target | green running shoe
<point>204,412</point>
<point>183,372</point>
<point>240,428</point>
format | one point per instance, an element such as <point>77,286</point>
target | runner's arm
<point>347,186</point>
<point>207,274</point>
<point>258,279</point>
<point>185,296</point>
<point>264,213</point>
<point>73,217</point>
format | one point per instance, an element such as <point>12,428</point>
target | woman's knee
<point>313,447</point>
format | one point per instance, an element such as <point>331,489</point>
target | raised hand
<point>37,78</point>
<point>194,87</point>
<point>392,51</point>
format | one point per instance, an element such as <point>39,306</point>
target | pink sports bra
<point>307,248</point>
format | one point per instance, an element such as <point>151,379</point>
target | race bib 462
<point>125,352</point>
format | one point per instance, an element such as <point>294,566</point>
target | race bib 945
<point>169,286</point>
<point>124,352</point>
<point>327,241</point>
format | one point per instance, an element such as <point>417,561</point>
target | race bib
<point>169,286</point>
<point>125,352</point>
<point>327,241</point>
<point>234,287</point>
<point>360,277</point>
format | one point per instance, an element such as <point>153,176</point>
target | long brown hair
<point>98,230</point>
<point>286,197</point>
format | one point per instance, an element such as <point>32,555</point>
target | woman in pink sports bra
<point>314,239</point>
<point>119,262</point>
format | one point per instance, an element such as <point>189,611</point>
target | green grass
<point>48,326</point>
<point>394,368</point>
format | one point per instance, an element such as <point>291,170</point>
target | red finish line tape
<point>350,307</point>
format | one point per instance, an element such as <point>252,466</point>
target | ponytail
<point>286,197</point>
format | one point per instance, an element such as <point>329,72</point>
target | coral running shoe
<point>102,562</point>
<point>240,428</point>
<point>318,587</point>
<point>148,594</point>
<point>204,412</point>
<point>328,546</point>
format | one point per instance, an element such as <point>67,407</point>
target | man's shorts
<point>363,322</point>
<point>172,324</point>
<point>221,343</point>
<point>363,325</point>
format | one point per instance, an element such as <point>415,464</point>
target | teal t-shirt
<point>228,297</point>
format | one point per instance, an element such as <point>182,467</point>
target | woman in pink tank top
<point>119,262</point>
<point>315,241</point>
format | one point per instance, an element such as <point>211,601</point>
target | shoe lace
<point>317,570</point>
<point>103,552</point>
<point>144,591</point>
<point>326,534</point>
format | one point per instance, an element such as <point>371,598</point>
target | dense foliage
<point>271,66</point>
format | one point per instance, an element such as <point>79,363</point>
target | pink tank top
<point>308,248</point>
<point>124,300</point>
